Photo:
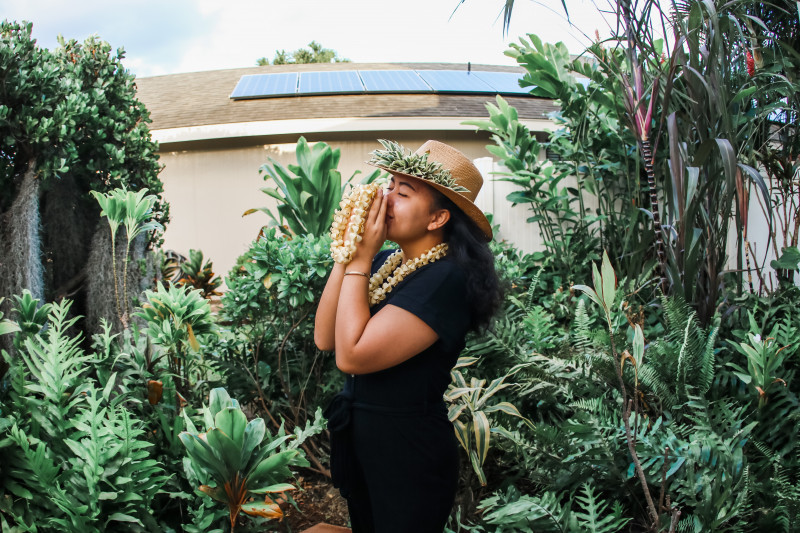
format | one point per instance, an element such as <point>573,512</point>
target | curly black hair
<point>468,247</point>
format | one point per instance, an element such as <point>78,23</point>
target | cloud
<point>168,36</point>
<point>150,31</point>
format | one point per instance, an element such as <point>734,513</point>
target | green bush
<point>706,439</point>
<point>239,464</point>
<point>74,455</point>
<point>267,353</point>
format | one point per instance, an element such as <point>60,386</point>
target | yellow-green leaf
<point>482,431</point>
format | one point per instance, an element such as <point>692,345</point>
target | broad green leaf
<point>7,326</point>
<point>278,487</point>
<point>253,436</point>
<point>218,399</point>
<point>272,467</point>
<point>638,345</point>
<point>504,407</point>
<point>232,422</point>
<point>462,434</point>
<point>200,452</point>
<point>226,449</point>
<point>121,517</point>
<point>589,292</point>
<point>477,467</point>
<point>789,259</point>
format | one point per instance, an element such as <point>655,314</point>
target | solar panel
<point>454,81</point>
<point>393,81</point>
<point>336,82</point>
<point>265,85</point>
<point>378,81</point>
<point>503,82</point>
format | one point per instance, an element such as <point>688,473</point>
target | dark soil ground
<point>318,501</point>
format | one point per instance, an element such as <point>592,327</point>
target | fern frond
<point>580,331</point>
<point>543,512</point>
<point>534,285</point>
<point>594,515</point>
<point>706,362</point>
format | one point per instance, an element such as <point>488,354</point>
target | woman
<point>394,453</point>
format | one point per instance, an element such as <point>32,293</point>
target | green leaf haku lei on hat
<point>396,159</point>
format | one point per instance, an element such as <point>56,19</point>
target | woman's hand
<point>374,231</point>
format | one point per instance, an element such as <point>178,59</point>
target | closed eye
<point>400,185</point>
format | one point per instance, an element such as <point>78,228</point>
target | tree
<point>69,123</point>
<point>315,53</point>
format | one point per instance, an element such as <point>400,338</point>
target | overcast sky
<point>171,36</point>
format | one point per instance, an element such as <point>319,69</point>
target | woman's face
<point>409,209</point>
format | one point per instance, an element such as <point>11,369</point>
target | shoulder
<point>437,295</point>
<point>444,272</point>
<point>442,280</point>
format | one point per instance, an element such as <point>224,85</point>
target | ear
<point>438,219</point>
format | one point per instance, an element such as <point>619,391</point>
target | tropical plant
<point>307,193</point>
<point>268,355</point>
<point>176,317</point>
<point>7,326</point>
<point>681,363</point>
<point>133,211</point>
<point>199,275</point>
<point>603,293</point>
<point>514,512</point>
<point>31,316</point>
<point>557,209</point>
<point>663,394</point>
<point>470,409</point>
<point>765,361</point>
<point>577,191</point>
<point>73,456</point>
<point>238,462</point>
<point>314,54</point>
<point>72,113</point>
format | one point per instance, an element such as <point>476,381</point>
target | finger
<point>382,207</point>
<point>374,209</point>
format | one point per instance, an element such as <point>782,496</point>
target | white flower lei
<point>391,268</point>
<point>351,214</point>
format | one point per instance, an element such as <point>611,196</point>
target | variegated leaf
<point>481,431</point>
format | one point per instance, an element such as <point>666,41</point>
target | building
<point>213,141</point>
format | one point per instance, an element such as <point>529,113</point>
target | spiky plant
<point>395,158</point>
<point>199,275</point>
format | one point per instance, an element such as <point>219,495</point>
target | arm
<point>325,320</point>
<point>392,336</point>
<point>367,344</point>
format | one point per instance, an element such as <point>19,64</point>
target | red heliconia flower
<point>751,64</point>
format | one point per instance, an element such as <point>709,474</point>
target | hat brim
<point>469,208</point>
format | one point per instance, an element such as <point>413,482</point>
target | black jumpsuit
<point>394,453</point>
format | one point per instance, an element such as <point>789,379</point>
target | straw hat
<point>442,167</point>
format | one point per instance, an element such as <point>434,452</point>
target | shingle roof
<point>203,98</point>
